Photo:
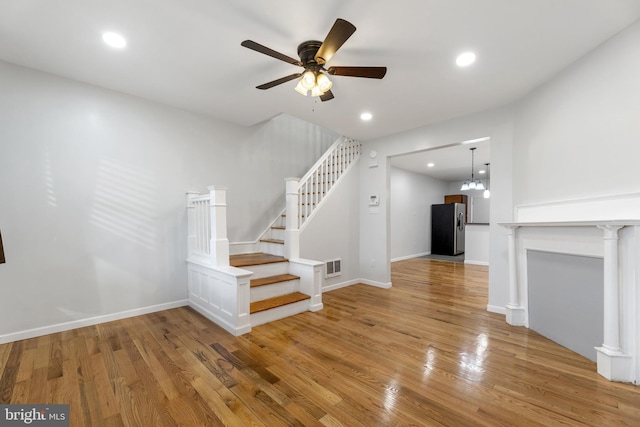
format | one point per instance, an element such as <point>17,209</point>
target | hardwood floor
<point>422,353</point>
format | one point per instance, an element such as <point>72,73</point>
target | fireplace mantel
<point>597,223</point>
<point>592,228</point>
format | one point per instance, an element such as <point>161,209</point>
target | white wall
<point>411,197</point>
<point>92,194</point>
<point>476,244</point>
<point>333,231</point>
<point>578,135</point>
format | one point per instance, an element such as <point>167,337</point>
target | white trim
<point>355,282</point>
<point>89,321</point>
<point>496,309</point>
<point>376,284</point>
<point>601,208</point>
<point>402,258</point>
<point>476,262</point>
<point>333,287</point>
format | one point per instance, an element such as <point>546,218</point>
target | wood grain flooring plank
<point>103,385</point>
<point>10,371</point>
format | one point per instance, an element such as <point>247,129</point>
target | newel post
<point>292,221</point>
<point>613,363</point>
<point>191,224</point>
<point>219,241</point>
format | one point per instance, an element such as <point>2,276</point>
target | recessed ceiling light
<point>430,165</point>
<point>481,172</point>
<point>466,59</point>
<point>114,40</point>
<point>366,116</point>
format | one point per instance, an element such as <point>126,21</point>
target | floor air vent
<point>333,268</point>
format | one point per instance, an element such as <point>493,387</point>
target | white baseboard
<point>472,262</point>
<point>353,282</point>
<point>376,284</point>
<point>497,309</point>
<point>333,287</point>
<point>90,321</point>
<point>402,258</point>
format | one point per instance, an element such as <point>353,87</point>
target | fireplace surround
<point>606,227</point>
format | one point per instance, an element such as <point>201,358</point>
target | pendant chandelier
<point>487,193</point>
<point>472,183</point>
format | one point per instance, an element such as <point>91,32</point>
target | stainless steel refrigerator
<point>447,229</point>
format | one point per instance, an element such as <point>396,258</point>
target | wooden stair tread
<point>273,279</point>
<point>278,227</point>
<point>278,301</point>
<point>276,241</point>
<point>243,260</point>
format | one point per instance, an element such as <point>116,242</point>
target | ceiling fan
<point>314,55</point>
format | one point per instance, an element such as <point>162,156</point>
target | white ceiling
<point>187,53</point>
<point>451,163</point>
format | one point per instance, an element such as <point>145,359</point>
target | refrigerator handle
<point>460,221</point>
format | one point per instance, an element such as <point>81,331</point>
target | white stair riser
<point>277,313</point>
<point>266,270</point>
<point>272,248</point>
<point>277,234</point>
<point>260,293</point>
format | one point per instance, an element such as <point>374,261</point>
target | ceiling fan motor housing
<point>307,53</point>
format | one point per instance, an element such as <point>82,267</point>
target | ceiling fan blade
<point>270,52</point>
<point>279,81</point>
<point>368,72</point>
<point>327,96</point>
<point>338,34</point>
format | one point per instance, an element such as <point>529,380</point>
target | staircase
<point>239,291</point>
<point>274,292</point>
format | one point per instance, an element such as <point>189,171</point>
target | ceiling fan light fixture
<point>314,54</point>
<point>308,80</point>
<point>316,91</point>
<point>323,82</point>
<point>300,89</point>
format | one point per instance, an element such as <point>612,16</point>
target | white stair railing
<point>207,227</point>
<point>305,195</point>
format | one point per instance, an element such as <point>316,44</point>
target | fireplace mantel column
<point>613,363</point>
<point>515,310</point>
